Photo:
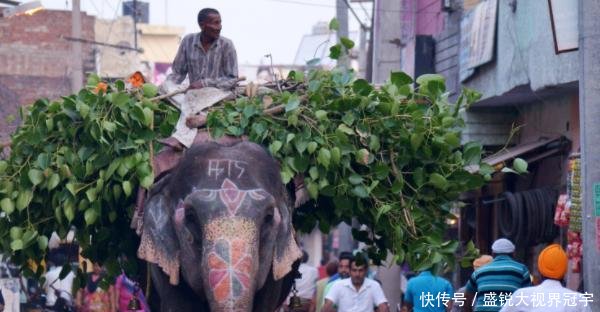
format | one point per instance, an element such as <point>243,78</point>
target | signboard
<point>483,33</point>
<point>464,72</point>
<point>597,199</point>
<point>564,17</point>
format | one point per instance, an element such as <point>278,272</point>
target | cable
<point>333,6</point>
<point>363,26</point>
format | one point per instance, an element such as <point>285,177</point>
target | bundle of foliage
<point>77,163</point>
<point>389,157</point>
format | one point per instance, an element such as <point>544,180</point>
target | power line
<point>333,6</point>
<point>363,26</point>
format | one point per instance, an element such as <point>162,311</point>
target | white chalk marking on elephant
<point>179,213</point>
<point>158,216</point>
<point>219,166</point>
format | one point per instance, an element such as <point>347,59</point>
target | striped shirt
<point>495,282</point>
<point>216,67</point>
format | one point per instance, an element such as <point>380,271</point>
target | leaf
<point>23,199</point>
<point>360,191</point>
<point>292,104</point>
<point>275,147</point>
<point>427,78</point>
<point>355,179</point>
<point>53,181</point>
<point>334,24</point>
<point>312,147</point>
<point>438,181</point>
<point>90,216</point>
<point>336,155</point>
<point>149,90</point>
<point>400,79</point>
<point>416,139</point>
<point>321,115</point>
<point>362,87</point>
<point>146,182</point>
<point>347,43</point>
<point>16,245</point>
<point>345,129</point>
<point>520,165</point>
<point>335,52</point>
<point>3,166</point>
<point>72,189</point>
<point>148,116</point>
<point>91,194</point>
<point>324,157</point>
<point>313,190</point>
<point>127,188</point>
<point>7,205</point>
<point>35,176</point>
<point>42,242</point>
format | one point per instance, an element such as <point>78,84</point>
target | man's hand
<point>383,307</point>
<point>328,306</point>
<point>196,85</point>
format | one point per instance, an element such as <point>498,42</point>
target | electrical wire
<point>333,6</point>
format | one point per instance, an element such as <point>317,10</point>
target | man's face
<point>344,268</point>
<point>358,273</point>
<point>211,27</point>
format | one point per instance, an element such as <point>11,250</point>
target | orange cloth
<point>481,261</point>
<point>553,262</point>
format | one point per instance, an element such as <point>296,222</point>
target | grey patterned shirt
<point>216,67</point>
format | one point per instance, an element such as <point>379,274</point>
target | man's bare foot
<point>196,121</point>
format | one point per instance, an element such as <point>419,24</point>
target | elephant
<point>217,230</point>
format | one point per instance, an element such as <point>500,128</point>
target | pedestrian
<point>330,269</point>
<point>492,284</point>
<point>92,298</point>
<point>125,291</point>
<point>428,292</point>
<point>58,291</point>
<point>207,58</point>
<point>306,284</point>
<point>477,263</point>
<point>357,293</point>
<point>550,295</point>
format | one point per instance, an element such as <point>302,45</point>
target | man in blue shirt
<point>494,283</point>
<point>427,292</point>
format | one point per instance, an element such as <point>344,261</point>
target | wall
<point>34,60</point>
<point>114,62</point>
<point>524,52</point>
<point>160,43</point>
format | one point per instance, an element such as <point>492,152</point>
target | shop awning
<point>531,152</point>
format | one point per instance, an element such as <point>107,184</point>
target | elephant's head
<point>222,220</point>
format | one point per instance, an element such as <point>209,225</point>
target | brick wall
<point>35,60</point>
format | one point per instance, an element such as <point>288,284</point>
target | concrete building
<point>113,62</point>
<point>34,60</point>
<point>160,44</point>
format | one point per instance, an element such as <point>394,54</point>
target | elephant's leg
<point>175,298</point>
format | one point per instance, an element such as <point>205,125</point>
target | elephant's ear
<point>159,243</point>
<point>286,248</point>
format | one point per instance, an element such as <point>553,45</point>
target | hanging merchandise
<point>574,192</point>
<point>574,251</point>
<point>563,208</point>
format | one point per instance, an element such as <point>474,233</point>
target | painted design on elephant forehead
<point>230,266</point>
<point>230,228</point>
<point>227,167</point>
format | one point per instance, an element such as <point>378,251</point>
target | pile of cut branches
<point>389,157</point>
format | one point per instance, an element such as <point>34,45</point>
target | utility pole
<point>77,59</point>
<point>589,93</point>
<point>135,32</point>
<point>341,12</point>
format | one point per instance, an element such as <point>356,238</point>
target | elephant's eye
<point>269,215</point>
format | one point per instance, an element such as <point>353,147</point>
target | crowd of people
<point>498,283</point>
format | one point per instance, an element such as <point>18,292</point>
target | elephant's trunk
<point>230,263</point>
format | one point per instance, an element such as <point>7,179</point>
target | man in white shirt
<point>550,295</point>
<point>357,293</point>
<point>307,284</point>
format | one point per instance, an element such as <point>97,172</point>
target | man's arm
<point>328,306</point>
<point>180,64</point>
<point>383,307</point>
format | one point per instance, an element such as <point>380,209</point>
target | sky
<point>257,27</point>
